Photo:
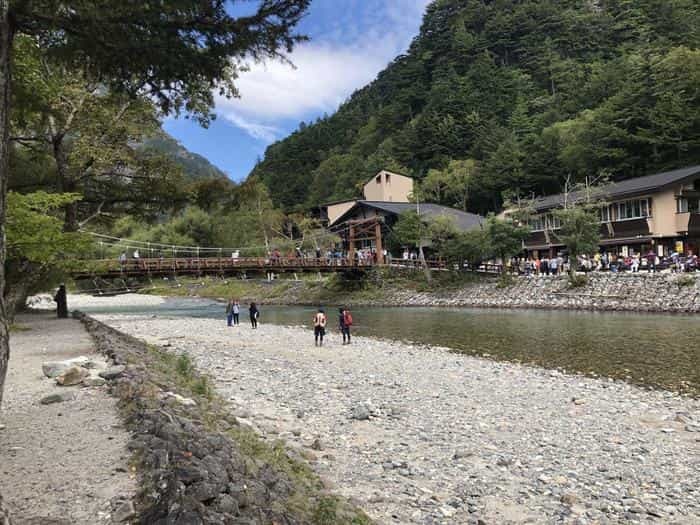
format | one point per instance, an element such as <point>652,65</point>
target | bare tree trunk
<point>424,263</point>
<point>6,37</point>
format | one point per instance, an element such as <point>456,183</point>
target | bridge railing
<point>195,265</point>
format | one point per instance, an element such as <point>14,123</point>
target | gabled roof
<point>625,188</point>
<point>461,219</point>
<point>386,171</point>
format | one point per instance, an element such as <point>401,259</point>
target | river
<point>652,350</point>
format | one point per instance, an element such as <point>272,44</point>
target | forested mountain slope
<point>531,90</point>
<point>194,166</point>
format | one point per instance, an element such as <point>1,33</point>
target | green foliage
<point>472,246</point>
<point>505,238</point>
<point>450,186</point>
<point>36,235</point>
<point>410,229</point>
<point>529,91</point>
<point>579,232</point>
<point>181,53</point>
<point>193,165</point>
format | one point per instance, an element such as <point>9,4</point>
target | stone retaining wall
<point>639,292</point>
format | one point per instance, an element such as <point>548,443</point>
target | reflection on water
<point>657,350</point>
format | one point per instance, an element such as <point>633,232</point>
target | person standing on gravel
<point>319,327</point>
<point>345,322</point>
<point>229,313</point>
<point>236,309</point>
<point>254,315</point>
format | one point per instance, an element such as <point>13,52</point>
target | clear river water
<point>653,350</point>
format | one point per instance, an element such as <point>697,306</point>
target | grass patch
<point>16,327</point>
<point>505,280</point>
<point>686,280</point>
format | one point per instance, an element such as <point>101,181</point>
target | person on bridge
<point>254,315</point>
<point>61,299</point>
<point>319,326</point>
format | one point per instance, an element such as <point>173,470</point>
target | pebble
<point>486,439</point>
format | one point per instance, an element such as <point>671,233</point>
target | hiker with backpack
<point>345,322</point>
<point>319,326</point>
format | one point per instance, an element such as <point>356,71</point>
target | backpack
<point>347,318</point>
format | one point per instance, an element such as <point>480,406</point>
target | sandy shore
<point>422,435</point>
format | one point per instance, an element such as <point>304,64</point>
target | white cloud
<point>326,72</point>
<point>254,129</point>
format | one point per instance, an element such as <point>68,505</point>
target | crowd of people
<point>604,261</point>
<point>320,320</point>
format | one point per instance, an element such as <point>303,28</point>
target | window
<point>690,204</point>
<point>378,180</point>
<point>634,209</point>
<point>605,214</point>
<point>388,178</point>
<point>536,223</point>
<point>553,223</point>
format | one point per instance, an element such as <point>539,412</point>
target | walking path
<point>422,435</point>
<point>66,462</point>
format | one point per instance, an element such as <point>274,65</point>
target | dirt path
<point>62,463</point>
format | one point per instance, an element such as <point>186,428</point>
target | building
<point>385,186</point>
<point>658,212</point>
<point>365,223</point>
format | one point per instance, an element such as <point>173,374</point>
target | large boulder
<point>54,368</point>
<point>72,376</point>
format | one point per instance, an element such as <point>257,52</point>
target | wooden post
<point>351,248</point>
<point>378,242</point>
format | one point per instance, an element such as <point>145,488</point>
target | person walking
<point>345,322</point>
<point>229,313</point>
<point>254,315</point>
<point>236,309</point>
<point>319,327</point>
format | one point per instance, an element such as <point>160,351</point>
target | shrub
<point>686,280</point>
<point>577,281</point>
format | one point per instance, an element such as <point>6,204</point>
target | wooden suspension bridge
<point>199,266</point>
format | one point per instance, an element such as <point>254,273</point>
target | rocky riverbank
<point>421,435</point>
<point>640,292</point>
<point>197,463</point>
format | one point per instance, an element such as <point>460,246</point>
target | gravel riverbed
<point>422,435</point>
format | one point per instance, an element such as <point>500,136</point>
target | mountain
<point>194,166</point>
<point>531,90</point>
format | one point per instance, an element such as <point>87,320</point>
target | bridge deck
<point>109,268</point>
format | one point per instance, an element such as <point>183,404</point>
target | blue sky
<point>351,41</point>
